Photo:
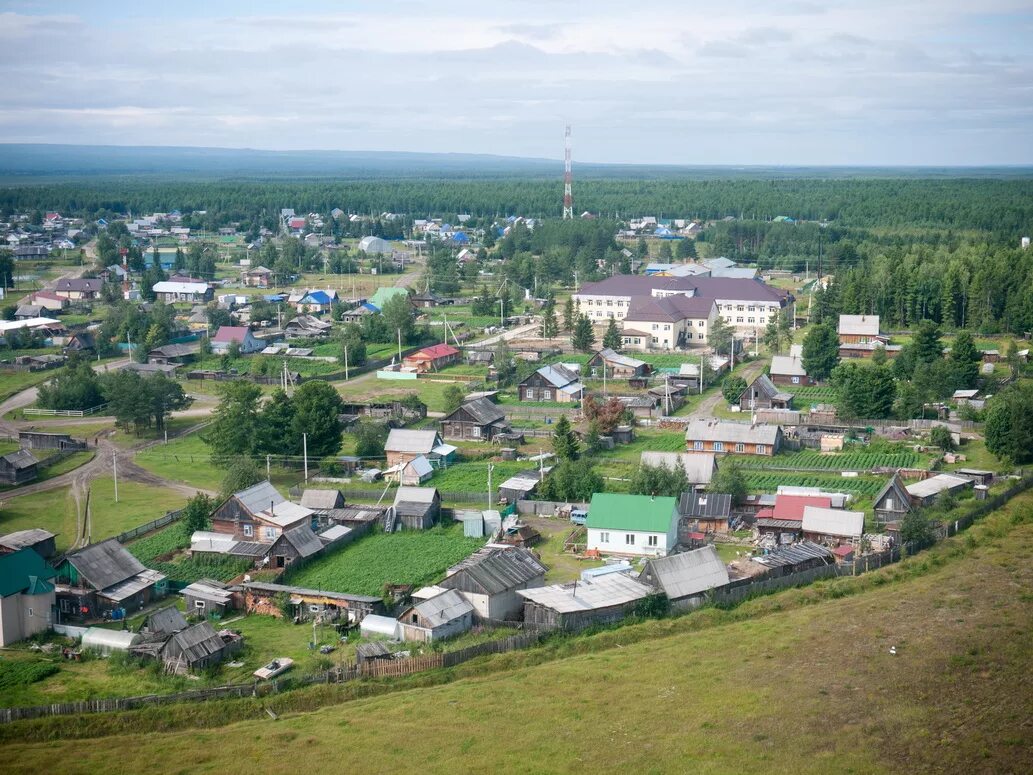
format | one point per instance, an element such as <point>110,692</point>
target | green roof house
<point>26,595</point>
<point>639,525</point>
<point>384,295</point>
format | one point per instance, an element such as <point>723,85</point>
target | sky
<point>858,82</point>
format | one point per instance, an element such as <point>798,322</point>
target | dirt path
<point>706,406</point>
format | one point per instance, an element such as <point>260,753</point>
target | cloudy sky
<point>687,81</point>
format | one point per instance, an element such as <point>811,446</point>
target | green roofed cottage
<point>632,524</point>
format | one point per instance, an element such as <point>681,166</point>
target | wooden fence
<point>36,412</point>
<point>150,527</point>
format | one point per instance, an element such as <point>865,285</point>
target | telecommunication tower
<point>568,177</point>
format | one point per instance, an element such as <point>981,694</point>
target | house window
<point>199,605</point>
<point>65,606</point>
<point>629,539</point>
<point>529,394</point>
<point>655,340</point>
<point>701,336</point>
<point>667,328</point>
<point>752,309</point>
<point>740,447</point>
<point>656,327</point>
<point>546,395</point>
<point>313,609</point>
<point>248,531</point>
<point>653,540</point>
<point>739,308</point>
<point>604,538</point>
<point>739,319</point>
<point>415,619</point>
<point>701,323</point>
<point>270,532</point>
<point>30,612</point>
<point>697,445</point>
<point>475,431</point>
<point>888,507</point>
<point>796,380</point>
<point>763,320</point>
<point>751,320</point>
<point>609,302</point>
<point>762,449</point>
<point>719,446</point>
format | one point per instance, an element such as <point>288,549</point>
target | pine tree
<point>820,351</point>
<point>568,314</point>
<point>583,337</point>
<point>612,337</point>
<point>550,328</point>
<point>564,442</point>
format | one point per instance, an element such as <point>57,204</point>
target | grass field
<point>799,682</point>
<point>409,557</point>
<point>431,393</point>
<point>854,460</point>
<point>473,476</point>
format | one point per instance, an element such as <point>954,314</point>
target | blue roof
<point>274,297</point>
<point>370,307</point>
<point>460,237</point>
<point>316,297</point>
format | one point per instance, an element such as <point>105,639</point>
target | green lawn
<point>473,476</point>
<point>14,381</point>
<point>188,459</point>
<point>408,557</point>
<point>430,392</point>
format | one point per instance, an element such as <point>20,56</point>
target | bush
<point>732,388</point>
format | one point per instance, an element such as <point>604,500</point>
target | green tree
<point>76,387</point>
<point>233,430</point>
<point>564,442</point>
<point>659,480</point>
<point>453,396</point>
<point>197,513</point>
<point>505,364</point>
<point>915,528</point>
<point>550,327</point>
<point>572,480</point>
<point>729,479</point>
<point>241,473</point>
<point>351,339</point>
<point>317,406</point>
<point>398,316</point>
<point>583,337</point>
<point>686,248</point>
<point>612,337</point>
<point>568,314</point>
<point>732,387</point>
<point>664,253</point>
<point>370,437</point>
<point>274,434</point>
<point>864,391</point>
<point>964,360</point>
<point>940,436</point>
<point>820,351</point>
<point>721,335</point>
<point>1008,426</point>
<point>927,345</point>
<point>642,249</point>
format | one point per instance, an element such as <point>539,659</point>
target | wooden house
<point>298,543</point>
<point>478,420</point>
<point>403,445</point>
<point>242,335</point>
<point>617,365</point>
<point>490,578</point>
<point>706,512</point>
<point>198,647</point>
<point>18,467</point>
<point>264,598</point>
<point>442,616</point>
<point>80,341</point>
<point>78,288</point>
<point>832,526</point>
<point>707,435</point>
<point>26,595</point>
<point>258,277</point>
<point>40,541</point>
<point>417,508</point>
<point>551,383</point>
<point>579,604</point>
<point>207,598</point>
<point>700,467</point>
<point>763,394</point>
<point>789,370</point>
<point>258,514</point>
<point>103,577</point>
<point>686,578</point>
<point>669,396</point>
<point>892,502</point>
<point>859,329</point>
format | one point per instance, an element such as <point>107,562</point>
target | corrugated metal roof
<point>416,442</point>
<point>207,591</point>
<point>481,411</point>
<point>129,587</point>
<point>557,375</point>
<point>611,356</point>
<point>705,504</point>
<point>603,592</point>
<point>793,554</point>
<point>699,466</point>
<point>731,432</point>
<point>334,532</point>
<point>206,541</point>
<point>445,608</point>
<point>415,494</point>
<point>20,539</point>
<point>22,570</point>
<point>620,511</point>
<point>689,573</point>
<point>787,366</point>
<point>105,564</point>
<point>934,485</point>
<point>258,497</point>
<point>304,541</point>
<point>859,325</point>
<point>319,500</point>
<point>792,506</point>
<point>834,522</point>
<point>500,571</point>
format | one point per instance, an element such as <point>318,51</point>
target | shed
<point>18,467</point>
<point>197,647</point>
<point>39,540</point>
<point>443,616</point>
<point>207,598</point>
<point>825,525</point>
<point>417,508</point>
<point>490,583</point>
<point>708,512</point>
<point>105,641</point>
<point>579,604</point>
<point>686,576</point>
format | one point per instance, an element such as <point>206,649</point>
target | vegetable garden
<point>415,557</point>
<point>842,461</point>
<point>761,481</point>
<point>162,550</point>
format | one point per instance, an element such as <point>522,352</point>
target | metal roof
<point>23,570</point>
<point>620,511</point>
<point>481,411</point>
<point>196,643</point>
<point>731,432</point>
<point>170,287</point>
<point>689,573</point>
<point>20,458</point>
<point>787,366</point>
<point>138,583</point>
<point>105,564</point>
<point>334,532</point>
<point>285,514</point>
<point>258,497</point>
<point>558,376</point>
<point>793,554</point>
<point>415,494</point>
<point>207,591</point>
<point>936,484</point>
<point>167,620</point>
<point>589,595</point>
<point>792,506</point>
<point>20,539</point>
<point>500,571</point>
<point>699,466</point>
<point>442,609</point>
<point>261,586</point>
<point>417,442</point>
<point>669,309</point>
<point>705,504</point>
<point>611,356</point>
<point>859,325</point>
<point>303,540</point>
<point>834,522</point>
<point>207,541</point>
<point>322,499</point>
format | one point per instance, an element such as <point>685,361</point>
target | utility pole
<point>502,313</point>
<point>267,475</point>
<point>399,346</point>
<point>491,468</point>
<point>304,443</point>
<point>701,374</point>
<point>114,473</point>
<point>346,362</point>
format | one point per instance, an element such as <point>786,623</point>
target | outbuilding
<point>443,616</point>
<point>685,578</point>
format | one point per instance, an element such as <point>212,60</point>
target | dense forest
<point>1001,207</point>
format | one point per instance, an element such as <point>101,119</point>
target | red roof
<point>766,514</point>
<point>297,223</point>
<point>48,295</point>
<point>437,351</point>
<point>53,216</point>
<point>698,536</point>
<point>230,334</point>
<point>843,551</point>
<point>791,506</point>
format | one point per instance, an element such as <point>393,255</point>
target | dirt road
<point>706,406</point>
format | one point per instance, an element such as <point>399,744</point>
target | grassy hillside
<point>799,682</point>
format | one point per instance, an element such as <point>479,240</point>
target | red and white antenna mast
<point>568,177</point>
